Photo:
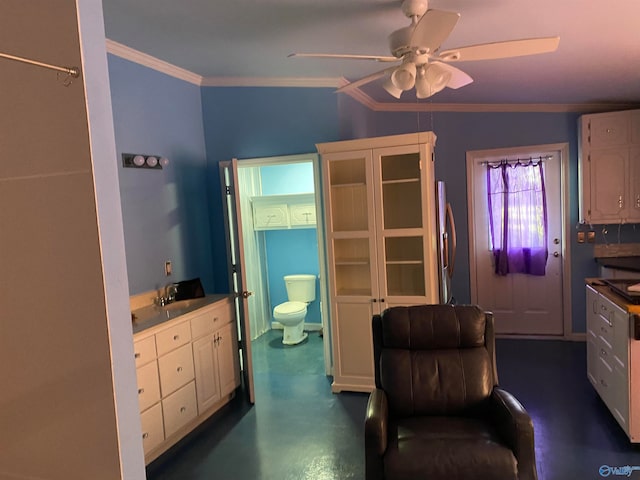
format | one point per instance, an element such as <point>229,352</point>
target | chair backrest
<point>434,359</point>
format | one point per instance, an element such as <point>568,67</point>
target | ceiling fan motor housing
<point>414,8</point>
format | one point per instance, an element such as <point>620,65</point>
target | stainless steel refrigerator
<point>447,243</point>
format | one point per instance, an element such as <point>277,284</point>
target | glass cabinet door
<point>351,226</point>
<point>401,216</point>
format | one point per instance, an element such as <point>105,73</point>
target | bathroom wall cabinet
<point>281,212</point>
<point>187,369</point>
<point>379,197</point>
<point>609,167</point>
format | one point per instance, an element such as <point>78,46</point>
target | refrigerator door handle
<point>452,225</point>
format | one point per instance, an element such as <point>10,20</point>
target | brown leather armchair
<point>437,412</point>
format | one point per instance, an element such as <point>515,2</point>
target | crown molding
<point>315,82</point>
<point>360,96</point>
<point>154,63</point>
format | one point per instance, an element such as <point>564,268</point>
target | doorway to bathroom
<point>279,233</point>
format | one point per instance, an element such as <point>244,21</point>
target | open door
<point>237,273</point>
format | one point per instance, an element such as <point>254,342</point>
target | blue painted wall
<point>290,251</point>
<point>460,132</point>
<point>247,122</point>
<point>287,179</point>
<point>165,212</point>
<point>177,213</point>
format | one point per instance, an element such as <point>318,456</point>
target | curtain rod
<point>71,71</point>
<point>518,160</point>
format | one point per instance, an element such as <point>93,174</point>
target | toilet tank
<point>300,288</point>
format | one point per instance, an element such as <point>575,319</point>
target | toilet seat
<point>289,309</point>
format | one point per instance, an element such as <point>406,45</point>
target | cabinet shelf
<point>349,185</point>
<point>402,181</point>
<point>404,262</point>
<point>352,262</point>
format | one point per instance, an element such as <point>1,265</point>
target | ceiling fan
<point>423,65</point>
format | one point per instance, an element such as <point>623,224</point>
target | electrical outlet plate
<point>167,268</point>
<point>580,237</point>
<point>591,236</point>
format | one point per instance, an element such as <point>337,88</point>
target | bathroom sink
<point>183,304</point>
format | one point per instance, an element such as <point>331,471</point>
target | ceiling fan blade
<point>458,77</point>
<point>511,48</point>
<point>376,58</point>
<point>365,80</point>
<point>433,28</point>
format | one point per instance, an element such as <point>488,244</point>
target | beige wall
<point>59,418</point>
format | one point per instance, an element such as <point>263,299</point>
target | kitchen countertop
<point>604,289</point>
<point>152,315</point>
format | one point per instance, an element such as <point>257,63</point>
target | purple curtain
<point>518,217</point>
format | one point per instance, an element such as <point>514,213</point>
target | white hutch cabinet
<point>379,196</point>
<point>609,167</point>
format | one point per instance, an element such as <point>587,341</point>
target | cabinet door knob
<point>140,391</point>
<point>145,435</point>
<point>137,355</point>
<point>183,409</point>
<point>179,369</point>
<point>176,337</point>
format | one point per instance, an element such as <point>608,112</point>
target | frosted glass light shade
<point>138,160</point>
<point>164,161</point>
<point>152,161</point>
<point>391,88</point>
<point>404,77</point>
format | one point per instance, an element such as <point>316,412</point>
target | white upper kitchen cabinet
<point>609,167</point>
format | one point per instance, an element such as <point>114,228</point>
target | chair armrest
<point>516,428</point>
<point>375,423</point>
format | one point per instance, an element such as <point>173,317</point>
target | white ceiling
<point>598,60</point>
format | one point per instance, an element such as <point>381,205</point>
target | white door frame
<point>473,157</point>
<point>314,158</point>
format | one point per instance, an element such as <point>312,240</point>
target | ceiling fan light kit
<point>423,65</point>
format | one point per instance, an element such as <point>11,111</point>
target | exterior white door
<point>522,304</point>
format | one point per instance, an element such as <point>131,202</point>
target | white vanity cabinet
<point>611,351</point>
<point>174,378</point>
<point>609,167</point>
<point>215,354</point>
<point>379,197</point>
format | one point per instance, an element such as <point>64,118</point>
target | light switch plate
<point>167,268</point>
<point>580,237</point>
<point>591,236</point>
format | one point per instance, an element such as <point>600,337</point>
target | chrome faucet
<point>170,291</point>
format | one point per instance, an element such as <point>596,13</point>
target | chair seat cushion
<point>446,448</point>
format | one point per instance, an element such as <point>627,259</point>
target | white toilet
<point>301,290</point>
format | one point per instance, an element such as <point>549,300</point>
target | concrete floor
<point>298,429</point>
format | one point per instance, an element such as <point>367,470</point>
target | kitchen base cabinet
<point>187,369</point>
<point>611,349</point>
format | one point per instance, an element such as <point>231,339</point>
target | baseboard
<point>308,327</point>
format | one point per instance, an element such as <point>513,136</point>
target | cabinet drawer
<point>179,408</point>
<point>211,320</point>
<point>605,330</point>
<point>176,369</point>
<point>148,385</point>
<point>173,337</point>
<point>152,428</point>
<point>144,350</point>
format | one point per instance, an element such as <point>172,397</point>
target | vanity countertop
<point>152,315</point>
